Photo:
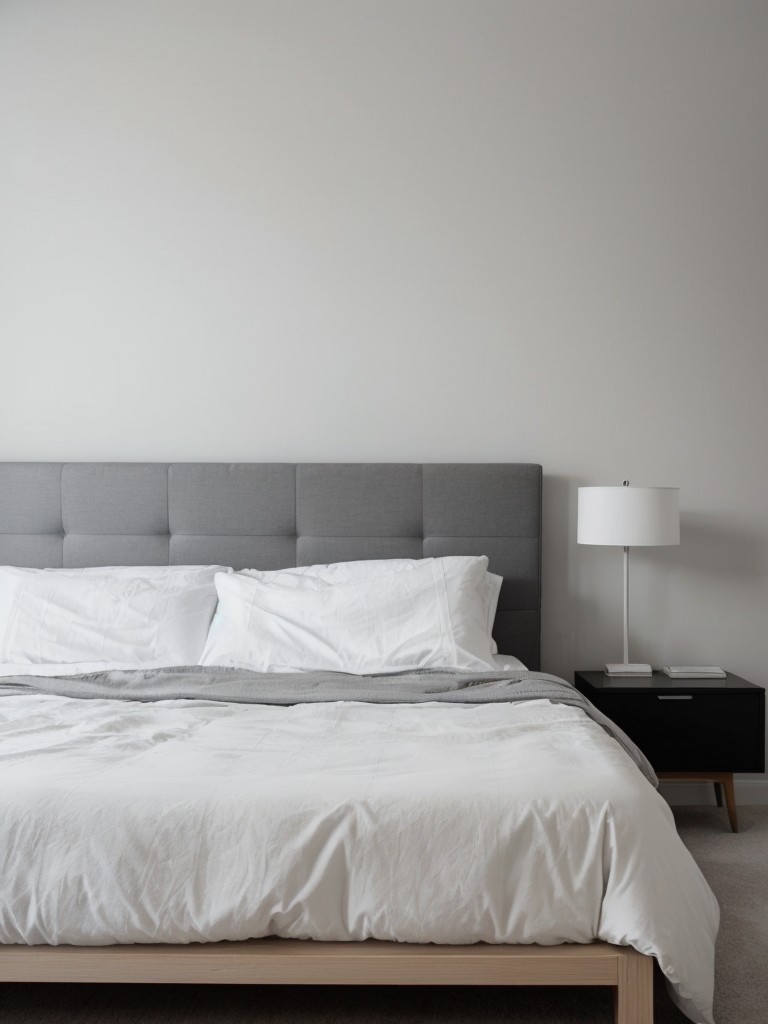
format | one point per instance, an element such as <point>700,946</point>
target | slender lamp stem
<point>626,605</point>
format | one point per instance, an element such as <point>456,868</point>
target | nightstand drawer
<point>691,732</point>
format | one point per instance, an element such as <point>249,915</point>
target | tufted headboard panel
<point>272,515</point>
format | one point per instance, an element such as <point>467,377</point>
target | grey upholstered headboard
<point>272,515</point>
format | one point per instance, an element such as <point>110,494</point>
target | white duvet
<point>190,820</point>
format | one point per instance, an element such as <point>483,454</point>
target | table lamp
<point>628,517</point>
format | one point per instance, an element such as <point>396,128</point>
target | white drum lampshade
<point>628,517</point>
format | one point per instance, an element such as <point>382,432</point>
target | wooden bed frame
<point>273,515</point>
<point>294,962</point>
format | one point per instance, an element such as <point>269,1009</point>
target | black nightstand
<point>699,730</point>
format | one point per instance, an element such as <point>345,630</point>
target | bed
<point>270,516</point>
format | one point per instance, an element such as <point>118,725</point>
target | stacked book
<point>693,672</point>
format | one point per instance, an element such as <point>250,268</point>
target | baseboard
<point>748,791</point>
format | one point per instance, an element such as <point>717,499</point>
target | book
<point>694,672</point>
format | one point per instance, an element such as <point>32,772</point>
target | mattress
<point>200,820</point>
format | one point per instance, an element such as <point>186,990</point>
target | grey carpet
<point>735,865</point>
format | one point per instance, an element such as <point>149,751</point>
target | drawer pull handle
<point>682,696</point>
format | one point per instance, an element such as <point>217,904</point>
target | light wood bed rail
<point>293,962</point>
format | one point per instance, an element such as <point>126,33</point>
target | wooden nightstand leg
<point>730,801</point>
<point>718,794</point>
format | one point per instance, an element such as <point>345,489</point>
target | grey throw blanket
<point>215,683</point>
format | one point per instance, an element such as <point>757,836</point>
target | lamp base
<point>624,668</point>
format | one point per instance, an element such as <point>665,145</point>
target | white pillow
<point>296,622</point>
<point>508,662</point>
<point>63,621</point>
<point>460,576</point>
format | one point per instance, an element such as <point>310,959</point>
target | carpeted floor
<point>735,865</point>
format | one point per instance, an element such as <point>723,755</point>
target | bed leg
<point>633,996</point>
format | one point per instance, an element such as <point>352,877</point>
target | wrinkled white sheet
<point>195,821</point>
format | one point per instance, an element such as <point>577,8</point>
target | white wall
<point>410,230</point>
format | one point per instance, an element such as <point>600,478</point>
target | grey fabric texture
<point>232,500</point>
<point>240,686</point>
<point>463,500</point>
<point>127,498</point>
<point>319,550</point>
<point>30,498</point>
<point>82,550</point>
<point>36,550</point>
<point>512,558</point>
<point>241,552</point>
<point>377,500</point>
<point>274,515</point>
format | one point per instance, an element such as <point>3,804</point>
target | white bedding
<point>436,612</point>
<point>191,820</point>
<point>66,621</point>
